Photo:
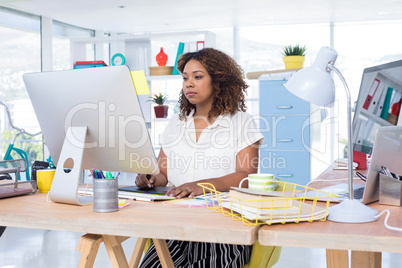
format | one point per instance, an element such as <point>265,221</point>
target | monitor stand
<point>65,185</point>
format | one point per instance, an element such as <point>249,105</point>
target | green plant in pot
<point>293,56</point>
<point>161,110</point>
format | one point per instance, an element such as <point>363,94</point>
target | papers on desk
<point>130,195</point>
<point>307,213</point>
<point>342,163</point>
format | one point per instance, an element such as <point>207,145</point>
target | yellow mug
<point>44,179</point>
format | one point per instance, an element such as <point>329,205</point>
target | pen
<point>386,171</point>
<point>93,173</point>
<point>148,178</point>
<point>109,175</point>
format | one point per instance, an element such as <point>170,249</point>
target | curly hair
<point>228,85</point>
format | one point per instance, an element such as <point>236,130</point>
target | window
<point>18,58</point>
<point>61,34</point>
<point>261,47</point>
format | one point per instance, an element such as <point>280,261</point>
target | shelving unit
<point>376,119</point>
<point>135,48</point>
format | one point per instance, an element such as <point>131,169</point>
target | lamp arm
<point>349,120</point>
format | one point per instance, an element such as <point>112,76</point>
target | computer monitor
<point>377,104</point>
<point>90,118</point>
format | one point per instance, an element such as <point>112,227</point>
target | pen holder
<point>390,191</point>
<point>106,195</point>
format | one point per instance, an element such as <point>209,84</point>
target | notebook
<point>154,190</point>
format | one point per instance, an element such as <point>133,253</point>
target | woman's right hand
<point>145,181</point>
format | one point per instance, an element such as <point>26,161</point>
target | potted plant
<point>293,56</point>
<point>161,110</point>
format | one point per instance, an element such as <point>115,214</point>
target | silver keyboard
<point>357,193</point>
<point>130,195</point>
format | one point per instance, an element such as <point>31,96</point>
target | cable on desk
<point>386,220</point>
<point>48,198</point>
<point>361,176</point>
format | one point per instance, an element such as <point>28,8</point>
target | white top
<point>214,155</point>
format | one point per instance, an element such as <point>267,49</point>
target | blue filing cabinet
<point>285,124</point>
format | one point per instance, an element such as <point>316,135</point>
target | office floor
<point>28,248</point>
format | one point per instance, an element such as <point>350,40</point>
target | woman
<point>212,140</point>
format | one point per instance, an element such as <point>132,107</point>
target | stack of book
<point>89,64</point>
<point>271,207</point>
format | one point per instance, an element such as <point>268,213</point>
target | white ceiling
<point>139,16</point>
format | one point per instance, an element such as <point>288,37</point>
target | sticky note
<point>140,83</point>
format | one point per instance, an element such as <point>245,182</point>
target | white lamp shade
<point>315,84</point>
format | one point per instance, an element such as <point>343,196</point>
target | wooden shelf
<point>163,77</point>
<point>256,75</point>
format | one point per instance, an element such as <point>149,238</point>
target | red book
<point>90,62</point>
<point>371,93</point>
<point>396,107</point>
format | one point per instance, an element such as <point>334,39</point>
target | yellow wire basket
<point>290,202</point>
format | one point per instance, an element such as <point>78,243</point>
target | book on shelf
<point>90,62</point>
<point>387,103</point>
<point>82,66</point>
<point>372,91</point>
<point>200,45</point>
<point>395,106</point>
<point>379,100</point>
<point>180,50</point>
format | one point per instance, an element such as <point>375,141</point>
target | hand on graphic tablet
<point>189,190</point>
<point>145,181</point>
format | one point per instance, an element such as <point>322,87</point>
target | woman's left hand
<point>189,190</point>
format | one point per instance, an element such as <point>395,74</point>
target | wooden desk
<point>140,219</point>
<point>366,240</point>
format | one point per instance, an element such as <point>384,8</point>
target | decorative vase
<point>161,111</point>
<point>161,58</point>
<point>293,62</point>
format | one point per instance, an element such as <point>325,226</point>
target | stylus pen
<point>386,171</point>
<point>148,178</point>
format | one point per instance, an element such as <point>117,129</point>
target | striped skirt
<point>200,254</point>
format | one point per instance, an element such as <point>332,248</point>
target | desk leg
<point>366,259</point>
<point>115,251</point>
<point>88,245</point>
<point>337,258</point>
<point>163,253</point>
<point>138,250</point>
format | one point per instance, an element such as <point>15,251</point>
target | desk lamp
<point>315,85</point>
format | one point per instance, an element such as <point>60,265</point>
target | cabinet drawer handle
<point>289,140</point>
<point>285,175</point>
<point>284,107</point>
